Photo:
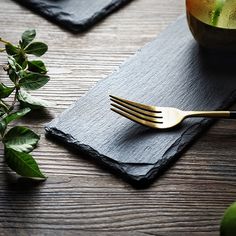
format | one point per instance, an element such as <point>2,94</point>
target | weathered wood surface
<point>80,198</point>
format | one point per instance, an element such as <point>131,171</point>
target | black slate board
<point>170,71</point>
<point>75,15</point>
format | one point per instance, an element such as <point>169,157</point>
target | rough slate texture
<point>75,15</point>
<point>170,71</point>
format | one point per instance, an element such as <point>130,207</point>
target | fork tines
<point>143,114</point>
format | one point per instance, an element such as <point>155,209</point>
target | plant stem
<point>4,41</point>
<point>2,49</point>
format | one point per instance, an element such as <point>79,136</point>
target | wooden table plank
<point>80,197</point>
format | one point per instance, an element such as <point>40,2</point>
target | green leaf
<point>23,164</point>
<point>21,139</point>
<point>37,66</point>
<point>11,49</point>
<point>12,75</point>
<point>27,37</point>
<point>26,100</point>
<point>228,223</point>
<point>36,48</point>
<point>25,65</point>
<point>3,127</point>
<point>22,74</point>
<point>5,91</point>
<point>20,57</point>
<point>2,111</point>
<point>16,115</point>
<point>12,62</point>
<point>33,81</point>
<point>11,117</point>
<point>3,124</point>
<point>4,107</point>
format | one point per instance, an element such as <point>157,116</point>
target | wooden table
<point>81,198</point>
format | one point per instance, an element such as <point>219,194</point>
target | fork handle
<point>232,115</point>
<point>211,114</point>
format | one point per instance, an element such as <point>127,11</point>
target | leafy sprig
<point>24,75</point>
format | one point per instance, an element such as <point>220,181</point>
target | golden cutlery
<point>160,117</point>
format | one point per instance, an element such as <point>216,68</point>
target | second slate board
<point>75,15</point>
<point>170,71</point>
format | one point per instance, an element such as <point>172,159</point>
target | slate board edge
<point>84,24</point>
<point>191,134</point>
<point>170,155</point>
<point>86,149</point>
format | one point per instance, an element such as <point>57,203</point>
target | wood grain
<point>80,198</point>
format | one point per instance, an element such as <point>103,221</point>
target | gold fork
<point>160,117</point>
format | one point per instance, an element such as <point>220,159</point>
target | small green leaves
<point>27,37</point>
<point>36,48</point>
<point>12,62</point>
<point>2,126</point>
<point>1,114</point>
<point>21,139</point>
<point>37,66</point>
<point>16,115</point>
<point>5,91</point>
<point>228,223</point>
<point>3,107</point>
<point>11,49</point>
<point>29,75</point>
<point>8,118</point>
<point>33,81</point>
<point>2,111</point>
<point>23,164</point>
<point>12,75</point>
<point>26,100</point>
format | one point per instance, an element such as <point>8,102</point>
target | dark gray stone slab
<point>75,15</point>
<point>170,71</point>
